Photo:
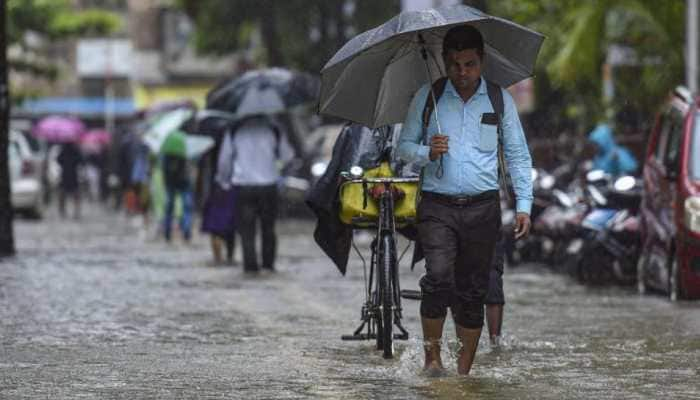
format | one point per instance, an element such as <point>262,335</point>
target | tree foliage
<point>579,34</point>
<point>302,34</point>
<point>51,20</point>
<point>56,19</point>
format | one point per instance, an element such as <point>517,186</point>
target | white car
<point>25,176</point>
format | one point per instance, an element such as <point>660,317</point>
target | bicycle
<point>382,308</point>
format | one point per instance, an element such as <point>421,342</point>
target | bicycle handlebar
<point>384,180</point>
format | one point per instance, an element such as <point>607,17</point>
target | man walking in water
<point>459,216</point>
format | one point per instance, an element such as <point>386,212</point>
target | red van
<point>670,209</point>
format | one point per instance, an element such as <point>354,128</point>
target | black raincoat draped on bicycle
<point>356,146</point>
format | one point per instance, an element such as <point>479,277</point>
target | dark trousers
<point>257,204</point>
<point>458,238</point>
<point>495,293</point>
<point>230,241</point>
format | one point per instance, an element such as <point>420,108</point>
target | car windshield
<point>695,150</point>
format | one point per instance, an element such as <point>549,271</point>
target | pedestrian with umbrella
<point>463,129</point>
<point>65,132</point>
<point>174,148</point>
<point>177,183</point>
<point>252,148</point>
<point>218,219</point>
<point>94,145</point>
<point>70,159</point>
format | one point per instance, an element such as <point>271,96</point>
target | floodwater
<point>96,310</point>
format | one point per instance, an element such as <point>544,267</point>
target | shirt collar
<point>480,90</point>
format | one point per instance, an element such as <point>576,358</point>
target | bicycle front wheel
<point>387,261</point>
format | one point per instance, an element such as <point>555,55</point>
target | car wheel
<point>642,265</point>
<point>675,290</point>
<point>34,213</point>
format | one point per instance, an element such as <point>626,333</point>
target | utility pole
<point>7,242</point>
<point>691,50</point>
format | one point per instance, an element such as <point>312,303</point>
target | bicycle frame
<point>372,310</point>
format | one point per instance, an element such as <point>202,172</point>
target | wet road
<point>95,311</point>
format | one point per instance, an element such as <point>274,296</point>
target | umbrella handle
<point>424,54</point>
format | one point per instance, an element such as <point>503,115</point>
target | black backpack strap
<point>496,97</point>
<point>438,89</point>
<point>276,131</point>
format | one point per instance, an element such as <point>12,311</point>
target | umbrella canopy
<point>164,135</point>
<point>196,145</point>
<point>214,122</point>
<point>180,144</point>
<point>163,125</point>
<point>372,78</point>
<point>94,140</point>
<point>59,129</point>
<point>263,91</point>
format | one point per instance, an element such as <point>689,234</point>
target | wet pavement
<point>96,310</point>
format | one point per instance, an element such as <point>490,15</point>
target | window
<point>664,124</point>
<point>675,137</point>
<point>694,161</point>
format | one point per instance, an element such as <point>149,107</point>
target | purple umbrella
<point>94,140</point>
<point>59,129</point>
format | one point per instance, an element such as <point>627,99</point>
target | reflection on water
<point>97,312</point>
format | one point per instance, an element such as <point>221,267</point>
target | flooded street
<point>94,310</point>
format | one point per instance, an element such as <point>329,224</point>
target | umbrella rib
<point>396,59</point>
<point>521,68</point>
<point>404,47</point>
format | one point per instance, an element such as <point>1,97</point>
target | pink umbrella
<point>94,140</point>
<point>59,129</point>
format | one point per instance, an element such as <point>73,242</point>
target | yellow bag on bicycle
<point>352,200</point>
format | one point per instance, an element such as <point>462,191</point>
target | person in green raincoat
<point>175,172</point>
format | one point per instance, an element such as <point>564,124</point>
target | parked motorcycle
<point>555,212</point>
<point>609,242</point>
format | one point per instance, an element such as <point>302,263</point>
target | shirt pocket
<point>488,137</point>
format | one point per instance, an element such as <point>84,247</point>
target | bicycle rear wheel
<point>386,264</point>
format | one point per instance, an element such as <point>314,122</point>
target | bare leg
<point>216,248</point>
<point>494,320</point>
<point>432,336</point>
<point>469,339</point>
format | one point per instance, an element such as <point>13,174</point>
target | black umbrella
<point>264,91</point>
<point>373,77</point>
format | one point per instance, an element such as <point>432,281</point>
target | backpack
<point>496,98</point>
<point>271,124</point>
<point>175,171</point>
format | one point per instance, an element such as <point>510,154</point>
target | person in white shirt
<point>248,161</point>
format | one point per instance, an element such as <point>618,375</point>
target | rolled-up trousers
<point>458,237</point>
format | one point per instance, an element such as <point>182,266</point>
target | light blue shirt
<point>471,163</point>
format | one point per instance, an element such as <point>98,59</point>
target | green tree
<point>579,34</point>
<point>51,20</point>
<point>301,34</point>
